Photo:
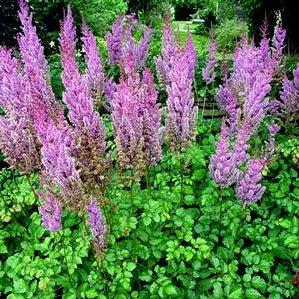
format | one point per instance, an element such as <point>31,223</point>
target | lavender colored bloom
<point>60,167</point>
<point>36,70</point>
<point>278,42</point>
<point>18,139</point>
<point>192,55</point>
<point>97,223</point>
<point>110,89</point>
<point>128,126</point>
<point>290,94</point>
<point>240,146</point>
<point>208,73</point>
<point>50,212</point>
<point>151,114</point>
<point>168,51</point>
<point>249,190</point>
<point>142,48</point>
<point>222,166</point>
<point>181,114</point>
<point>114,41</point>
<point>94,72</point>
<point>89,132</point>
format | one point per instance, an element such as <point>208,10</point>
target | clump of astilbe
<point>18,141</point>
<point>98,226</point>
<point>88,133</point>
<point>121,43</point>
<point>94,71</point>
<point>208,72</point>
<point>181,113</point>
<point>289,96</point>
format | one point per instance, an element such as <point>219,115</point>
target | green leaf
<point>91,293</point>
<point>170,290</point>
<point>252,294</point>
<point>20,285</point>
<point>218,292</point>
<point>258,282</point>
<point>237,294</point>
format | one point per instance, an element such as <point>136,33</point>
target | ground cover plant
<point>120,188</point>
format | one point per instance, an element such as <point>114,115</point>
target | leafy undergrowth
<point>205,246</point>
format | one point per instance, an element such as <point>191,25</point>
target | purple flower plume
<point>208,73</point>
<point>89,132</point>
<point>97,224</point>
<point>94,72</point>
<point>36,70</point>
<point>50,212</point>
<point>151,114</point>
<point>290,94</point>
<point>249,190</point>
<point>18,139</point>
<point>181,113</point>
<point>222,166</point>
<point>168,52</point>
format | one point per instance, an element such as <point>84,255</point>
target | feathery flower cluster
<point>249,190</point>
<point>50,212</point>
<point>18,139</point>
<point>94,71</point>
<point>181,113</point>
<point>121,43</point>
<point>171,51</point>
<point>43,102</point>
<point>97,223</point>
<point>208,73</point>
<point>88,133</point>
<point>244,98</point>
<point>290,95</point>
<point>72,162</point>
<point>222,165</point>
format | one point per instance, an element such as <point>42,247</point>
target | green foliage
<point>228,33</point>
<point>206,246</point>
<point>100,14</point>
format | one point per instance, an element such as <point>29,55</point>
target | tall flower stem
<point>148,179</point>
<point>204,101</point>
<point>32,189</point>
<point>181,175</point>
<point>65,257</point>
<point>131,196</point>
<point>220,211</point>
<point>241,224</point>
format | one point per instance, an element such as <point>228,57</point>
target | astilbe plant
<point>72,167</point>
<point>243,96</point>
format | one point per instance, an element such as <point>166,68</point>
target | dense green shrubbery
<point>202,247</point>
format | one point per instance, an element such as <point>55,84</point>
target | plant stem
<point>239,227</point>
<point>148,180</point>
<point>204,101</point>
<point>66,263</point>
<point>220,213</point>
<point>182,175</point>
<point>33,190</point>
<point>131,196</point>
